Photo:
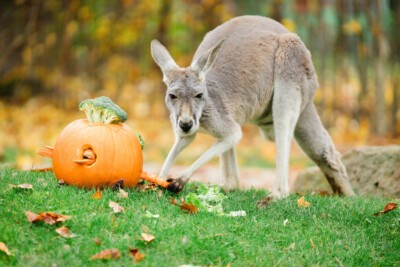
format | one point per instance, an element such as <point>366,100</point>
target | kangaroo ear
<point>203,63</point>
<point>163,59</point>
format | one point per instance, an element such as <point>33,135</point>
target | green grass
<point>343,230</point>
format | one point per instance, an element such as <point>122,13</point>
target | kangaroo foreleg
<point>180,144</point>
<point>223,144</point>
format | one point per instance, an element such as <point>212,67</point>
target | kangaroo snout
<point>185,125</point>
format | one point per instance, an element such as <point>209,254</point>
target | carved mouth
<point>87,156</point>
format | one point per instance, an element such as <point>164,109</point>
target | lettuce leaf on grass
<point>207,199</point>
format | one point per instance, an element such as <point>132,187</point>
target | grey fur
<point>249,69</point>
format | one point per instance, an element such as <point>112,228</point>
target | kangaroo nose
<point>186,126</point>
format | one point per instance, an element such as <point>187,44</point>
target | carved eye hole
<point>199,95</point>
<point>172,96</point>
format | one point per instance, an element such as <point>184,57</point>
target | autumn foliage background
<point>55,54</point>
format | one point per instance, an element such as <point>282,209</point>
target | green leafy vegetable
<point>207,199</point>
<point>103,110</point>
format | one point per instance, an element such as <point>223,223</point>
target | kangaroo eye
<point>199,95</point>
<point>172,96</point>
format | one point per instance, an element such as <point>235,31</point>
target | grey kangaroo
<point>250,69</point>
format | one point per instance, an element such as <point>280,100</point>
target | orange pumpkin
<point>96,155</point>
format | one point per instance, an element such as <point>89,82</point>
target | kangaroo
<point>250,69</point>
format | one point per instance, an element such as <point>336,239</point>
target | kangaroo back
<point>243,72</point>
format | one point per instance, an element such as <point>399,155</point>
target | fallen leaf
<point>387,208</point>
<point>262,203</point>
<point>64,232</point>
<point>292,246</point>
<point>22,186</point>
<point>173,201</point>
<point>147,237</point>
<point>98,194</point>
<point>4,248</point>
<point>116,207</point>
<point>159,193</point>
<point>137,256</point>
<point>118,185</point>
<point>190,208</point>
<point>302,203</point>
<point>97,241</point>
<point>46,217</point>
<point>31,216</point>
<point>148,214</point>
<point>107,254</point>
<point>122,193</point>
<point>285,222</point>
<point>312,243</point>
<point>145,186</point>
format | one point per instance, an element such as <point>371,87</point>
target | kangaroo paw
<point>176,185</point>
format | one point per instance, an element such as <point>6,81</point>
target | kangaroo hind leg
<point>285,110</point>
<point>315,141</point>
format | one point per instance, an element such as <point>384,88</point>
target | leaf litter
<point>46,217</point>
<point>98,194</point>
<point>116,207</point>
<point>135,253</point>
<point>4,248</point>
<point>147,237</point>
<point>107,254</point>
<point>21,186</point>
<point>389,207</point>
<point>64,232</point>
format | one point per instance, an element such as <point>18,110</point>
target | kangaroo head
<point>186,95</point>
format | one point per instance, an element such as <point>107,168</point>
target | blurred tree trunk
<point>380,123</point>
<point>395,58</point>
<point>164,23</point>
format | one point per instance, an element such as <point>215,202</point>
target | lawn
<point>332,231</point>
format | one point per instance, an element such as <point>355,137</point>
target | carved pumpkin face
<point>97,155</point>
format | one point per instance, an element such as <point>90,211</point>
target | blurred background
<point>56,53</point>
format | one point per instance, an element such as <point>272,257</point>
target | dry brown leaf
<point>46,217</point>
<point>147,237</point>
<point>116,207</point>
<point>264,202</point>
<point>31,216</point>
<point>389,207</point>
<point>22,186</point>
<point>118,185</point>
<point>190,208</point>
<point>107,254</point>
<point>137,256</point>
<point>122,193</point>
<point>146,186</point>
<point>4,248</point>
<point>302,203</point>
<point>97,241</point>
<point>312,243</point>
<point>98,194</point>
<point>64,232</point>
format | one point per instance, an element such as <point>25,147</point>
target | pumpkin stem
<point>47,151</point>
<point>154,179</point>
